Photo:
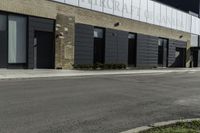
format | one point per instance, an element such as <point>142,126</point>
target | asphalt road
<point>102,104</point>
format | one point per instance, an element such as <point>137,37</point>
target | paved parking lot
<point>97,104</point>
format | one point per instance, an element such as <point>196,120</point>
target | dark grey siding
<point>198,58</point>
<point>147,51</point>
<point>3,49</point>
<point>180,44</point>
<point>122,47</point>
<point>37,24</point>
<point>84,44</point>
<point>171,53</point>
<point>173,44</point>
<point>3,41</point>
<point>116,47</point>
<point>110,46</point>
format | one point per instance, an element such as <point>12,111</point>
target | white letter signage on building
<point>146,11</point>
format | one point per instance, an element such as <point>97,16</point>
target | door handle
<point>35,42</point>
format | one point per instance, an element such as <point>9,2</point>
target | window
<point>131,36</point>
<point>16,39</point>
<point>3,23</point>
<point>98,33</point>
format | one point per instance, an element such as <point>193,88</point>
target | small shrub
<point>100,66</point>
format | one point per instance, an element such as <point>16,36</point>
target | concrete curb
<point>159,124</point>
<point>23,74</point>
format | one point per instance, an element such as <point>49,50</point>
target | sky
<point>186,5</point>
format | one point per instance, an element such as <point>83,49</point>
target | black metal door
<point>44,50</point>
<point>3,41</point>
<point>3,50</point>
<point>195,58</point>
<point>162,52</point>
<point>180,57</point>
<point>132,50</point>
<point>99,49</point>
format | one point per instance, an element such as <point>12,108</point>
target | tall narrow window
<point>16,39</point>
<point>99,45</point>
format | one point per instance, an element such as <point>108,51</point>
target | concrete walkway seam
<point>74,73</point>
<point>159,124</point>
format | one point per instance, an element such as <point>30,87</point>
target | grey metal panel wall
<point>122,47</point>
<point>171,53</point>
<point>116,47</point>
<point>37,24</point>
<point>84,44</point>
<point>173,44</point>
<point>147,51</point>
<point>110,46</point>
<point>198,58</point>
<point>180,44</point>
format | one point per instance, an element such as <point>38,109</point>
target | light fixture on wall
<point>117,24</point>
<point>60,35</point>
<point>181,36</point>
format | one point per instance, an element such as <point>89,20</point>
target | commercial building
<point>60,33</point>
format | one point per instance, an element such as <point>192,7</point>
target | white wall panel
<point>157,13</point>
<point>179,21</point>
<point>189,23</point>
<point>169,17</point>
<point>118,7</point>
<point>184,18</point>
<point>195,25</point>
<point>163,20</point>
<point>127,8</point>
<point>193,29</point>
<point>97,5</point>
<point>194,40</point>
<point>85,4</point>
<point>174,12</point>
<point>108,6</point>
<point>136,9</point>
<point>150,17</point>
<point>72,2</point>
<point>198,32</point>
<point>63,1</point>
<point>143,10</point>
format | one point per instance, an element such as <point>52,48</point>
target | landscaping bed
<point>180,127</point>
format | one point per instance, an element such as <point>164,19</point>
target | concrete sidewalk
<point>40,73</point>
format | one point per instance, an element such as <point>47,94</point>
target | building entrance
<point>44,50</point>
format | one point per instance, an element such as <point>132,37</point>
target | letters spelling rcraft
<point>119,6</point>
